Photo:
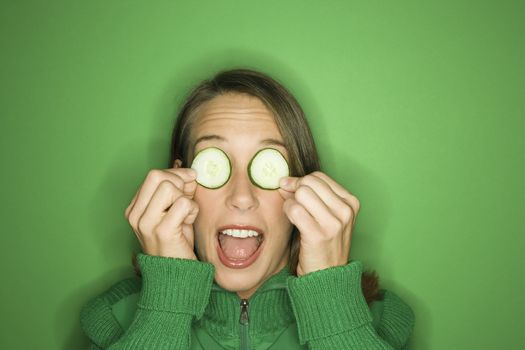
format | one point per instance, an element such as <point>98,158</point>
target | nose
<point>241,192</point>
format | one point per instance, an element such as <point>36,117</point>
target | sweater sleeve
<point>93,346</point>
<point>332,313</point>
<point>174,293</point>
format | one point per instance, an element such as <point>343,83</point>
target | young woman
<point>238,262</point>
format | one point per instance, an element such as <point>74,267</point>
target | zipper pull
<point>244,312</point>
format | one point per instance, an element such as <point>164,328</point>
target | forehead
<point>235,114</point>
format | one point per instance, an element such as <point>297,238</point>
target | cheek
<point>205,198</point>
<point>274,210</point>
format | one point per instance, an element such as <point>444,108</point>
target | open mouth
<point>239,247</point>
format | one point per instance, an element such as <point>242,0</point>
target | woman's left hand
<point>324,213</point>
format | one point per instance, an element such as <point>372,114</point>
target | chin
<point>235,280</point>
<point>244,276</point>
<point>246,281</point>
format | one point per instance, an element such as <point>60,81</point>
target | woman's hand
<point>163,211</point>
<point>324,213</point>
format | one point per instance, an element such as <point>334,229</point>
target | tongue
<point>238,248</point>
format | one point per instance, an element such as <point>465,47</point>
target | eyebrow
<point>267,142</point>
<point>208,137</point>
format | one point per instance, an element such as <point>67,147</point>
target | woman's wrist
<point>329,301</point>
<point>175,285</point>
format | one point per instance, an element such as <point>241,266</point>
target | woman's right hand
<point>163,211</point>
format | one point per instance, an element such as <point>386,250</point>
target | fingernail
<point>284,182</point>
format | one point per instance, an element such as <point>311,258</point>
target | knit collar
<point>269,310</point>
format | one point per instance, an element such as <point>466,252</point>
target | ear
<point>177,163</point>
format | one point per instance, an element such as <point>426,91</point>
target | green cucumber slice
<point>267,167</point>
<point>213,167</point>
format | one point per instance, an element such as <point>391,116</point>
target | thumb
<point>285,194</point>
<point>183,211</point>
<point>289,183</point>
<point>287,187</point>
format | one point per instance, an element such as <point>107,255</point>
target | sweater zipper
<point>244,323</point>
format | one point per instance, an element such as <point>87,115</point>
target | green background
<point>417,107</point>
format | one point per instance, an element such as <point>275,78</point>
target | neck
<point>246,294</point>
<point>269,308</point>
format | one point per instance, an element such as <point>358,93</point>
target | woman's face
<point>240,125</point>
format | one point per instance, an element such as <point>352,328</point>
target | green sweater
<point>176,305</point>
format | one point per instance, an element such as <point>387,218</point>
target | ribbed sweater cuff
<point>96,317</point>
<point>175,285</point>
<point>328,302</point>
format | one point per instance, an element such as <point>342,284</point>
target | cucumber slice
<point>267,167</point>
<point>213,167</point>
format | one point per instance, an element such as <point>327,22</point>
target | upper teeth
<point>241,233</point>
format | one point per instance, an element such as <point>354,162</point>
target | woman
<point>240,266</point>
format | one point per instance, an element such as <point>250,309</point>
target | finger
<point>149,186</point>
<point>164,197</point>
<point>285,194</point>
<point>189,176</point>
<point>340,191</point>
<point>139,236</point>
<point>299,216</point>
<point>126,214</point>
<point>183,212</point>
<point>289,183</point>
<point>337,206</point>
<point>132,203</point>
<point>329,223</point>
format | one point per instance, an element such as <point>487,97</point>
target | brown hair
<point>290,120</point>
